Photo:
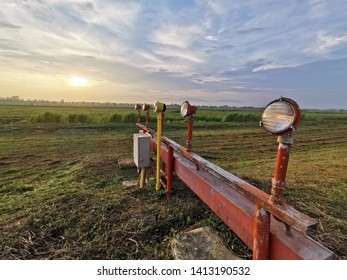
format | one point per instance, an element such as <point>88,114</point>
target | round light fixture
<point>187,110</point>
<point>138,107</point>
<point>281,116</point>
<point>159,107</point>
<point>146,107</point>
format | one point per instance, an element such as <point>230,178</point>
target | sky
<point>209,52</point>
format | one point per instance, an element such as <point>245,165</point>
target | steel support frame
<point>246,213</point>
<point>167,172</point>
<point>147,118</point>
<point>279,180</point>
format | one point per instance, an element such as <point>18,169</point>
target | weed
<point>116,118</point>
<point>47,117</point>
<point>130,118</point>
<point>79,118</point>
<point>239,117</point>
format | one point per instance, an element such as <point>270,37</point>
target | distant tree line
<point>16,100</point>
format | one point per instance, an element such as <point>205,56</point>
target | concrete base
<point>130,184</point>
<point>124,163</point>
<point>134,183</point>
<point>200,244</point>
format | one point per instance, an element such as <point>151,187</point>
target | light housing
<point>138,107</point>
<point>188,110</point>
<point>159,107</point>
<point>146,107</point>
<point>281,116</point>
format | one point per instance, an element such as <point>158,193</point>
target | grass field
<point>61,181</point>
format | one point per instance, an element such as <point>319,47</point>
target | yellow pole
<point>159,123</point>
<point>142,177</point>
<point>159,108</point>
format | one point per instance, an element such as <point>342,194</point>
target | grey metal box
<point>142,149</point>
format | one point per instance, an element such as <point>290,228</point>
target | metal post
<point>139,117</point>
<point>278,182</point>
<point>190,133</point>
<point>261,234</point>
<point>159,127</point>
<point>147,118</point>
<point>142,177</point>
<point>163,168</point>
<point>162,120</point>
<point>169,169</point>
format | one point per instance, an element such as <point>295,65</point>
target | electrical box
<point>142,149</point>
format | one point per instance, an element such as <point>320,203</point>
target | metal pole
<point>261,234</point>
<point>139,117</point>
<point>162,120</point>
<point>169,169</point>
<point>279,180</point>
<point>147,118</point>
<point>159,127</point>
<point>142,177</point>
<point>190,133</point>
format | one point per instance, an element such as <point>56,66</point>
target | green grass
<point>30,114</point>
<point>61,181</point>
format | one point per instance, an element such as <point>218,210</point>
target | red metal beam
<point>190,133</point>
<point>170,167</point>
<point>261,234</point>
<point>237,212</point>
<point>234,200</point>
<point>283,212</point>
<point>279,180</point>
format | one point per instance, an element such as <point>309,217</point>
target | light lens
<point>146,107</point>
<point>159,107</point>
<point>156,106</point>
<point>278,117</point>
<point>184,109</point>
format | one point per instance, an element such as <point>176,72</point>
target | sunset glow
<point>77,81</point>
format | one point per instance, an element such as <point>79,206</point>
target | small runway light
<point>138,107</point>
<point>281,116</point>
<point>159,107</point>
<point>146,107</point>
<point>187,110</point>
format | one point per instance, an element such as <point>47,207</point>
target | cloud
<point>328,42</point>
<point>9,25</point>
<point>177,53</point>
<point>320,84</point>
<point>268,67</point>
<point>176,35</point>
<point>207,50</point>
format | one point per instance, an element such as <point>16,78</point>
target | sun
<point>77,81</point>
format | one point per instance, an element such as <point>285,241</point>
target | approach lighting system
<point>146,107</point>
<point>187,110</point>
<point>281,116</point>
<point>159,107</point>
<point>138,107</point>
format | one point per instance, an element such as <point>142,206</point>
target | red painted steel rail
<point>243,207</point>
